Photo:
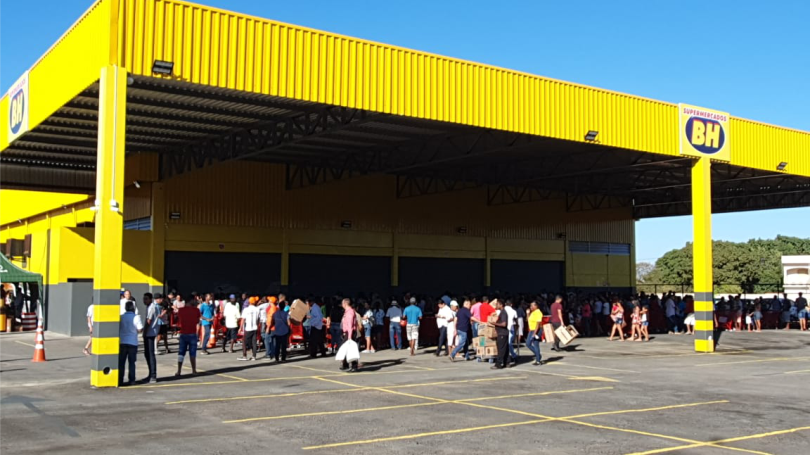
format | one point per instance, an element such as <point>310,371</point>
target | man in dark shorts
<point>163,328</point>
<point>501,327</point>
<point>232,314</point>
<point>189,317</point>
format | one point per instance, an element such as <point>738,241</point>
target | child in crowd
<point>617,314</point>
<point>689,322</point>
<point>636,334</point>
<point>645,329</point>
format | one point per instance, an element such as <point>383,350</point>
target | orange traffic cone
<point>212,341</point>
<point>39,349</point>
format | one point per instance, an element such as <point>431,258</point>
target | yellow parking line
<point>432,403</point>
<point>217,374</point>
<point>778,359</point>
<point>316,369</point>
<point>313,392</point>
<point>23,342</point>
<point>797,371</point>
<point>593,378</point>
<point>722,441</point>
<point>325,413</point>
<point>662,436</point>
<point>560,364</point>
<point>251,397</point>
<point>544,373</point>
<point>641,355</point>
<point>422,435</point>
<point>487,427</point>
<point>281,378</point>
<point>536,394</point>
<point>632,411</point>
<point>572,377</point>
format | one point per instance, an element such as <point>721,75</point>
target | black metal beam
<point>411,157</point>
<point>412,186</point>
<point>510,194</point>
<point>261,138</point>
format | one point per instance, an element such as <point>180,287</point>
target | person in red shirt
<point>487,308</point>
<point>189,317</point>
<point>557,319</point>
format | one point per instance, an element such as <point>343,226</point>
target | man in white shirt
<point>126,298</point>
<point>263,321</point>
<point>149,334</point>
<point>443,316</point>
<point>394,315</point>
<point>232,315</point>
<point>178,302</point>
<point>250,325</point>
<point>511,319</point>
<point>129,328</point>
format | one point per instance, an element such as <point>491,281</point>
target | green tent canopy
<point>10,273</point>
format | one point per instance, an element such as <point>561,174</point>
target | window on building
<point>139,224</point>
<point>613,249</point>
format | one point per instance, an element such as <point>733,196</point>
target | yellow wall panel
<point>72,243</point>
<point>356,73</point>
<point>16,205</point>
<point>597,270</point>
<point>764,146</point>
<point>72,64</point>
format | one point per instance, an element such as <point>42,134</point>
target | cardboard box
<point>483,342</point>
<point>548,332</point>
<point>566,334</point>
<point>298,311</point>
<point>485,352</point>
<point>490,333</point>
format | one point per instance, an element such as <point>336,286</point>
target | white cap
<point>453,303</point>
<point>413,299</point>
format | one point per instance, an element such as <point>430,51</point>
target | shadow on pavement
<point>379,365</point>
<point>553,359</point>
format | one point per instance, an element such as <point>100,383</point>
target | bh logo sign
<point>704,132</point>
<point>16,113</point>
<point>707,136</point>
<point>18,107</point>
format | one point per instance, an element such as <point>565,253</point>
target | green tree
<point>754,266</point>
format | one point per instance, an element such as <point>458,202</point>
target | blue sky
<point>749,58</point>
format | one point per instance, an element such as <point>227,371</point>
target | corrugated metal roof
<point>165,116</point>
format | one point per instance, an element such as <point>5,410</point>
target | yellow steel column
<point>158,247</point>
<point>109,226</point>
<point>702,254</point>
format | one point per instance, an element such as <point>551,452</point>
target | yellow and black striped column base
<point>704,322</point>
<point>106,321</point>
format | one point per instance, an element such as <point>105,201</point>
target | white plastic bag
<point>348,351</point>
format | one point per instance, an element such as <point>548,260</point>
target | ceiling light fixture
<point>163,67</point>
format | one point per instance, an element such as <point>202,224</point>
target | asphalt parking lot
<point>598,397</point>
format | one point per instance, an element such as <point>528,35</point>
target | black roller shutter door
<point>511,276</point>
<point>348,276</point>
<point>434,276</point>
<point>258,273</point>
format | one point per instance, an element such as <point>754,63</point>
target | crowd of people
<point>265,323</point>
